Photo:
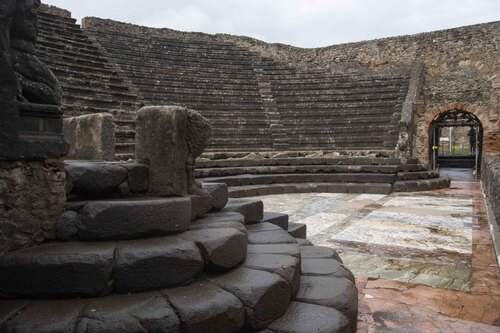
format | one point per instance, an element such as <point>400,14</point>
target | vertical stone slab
<point>161,144</point>
<point>168,139</point>
<point>91,137</point>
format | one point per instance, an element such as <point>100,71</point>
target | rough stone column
<point>168,139</point>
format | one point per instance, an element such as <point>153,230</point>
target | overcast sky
<point>305,23</point>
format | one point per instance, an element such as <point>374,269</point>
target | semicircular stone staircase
<point>147,264</point>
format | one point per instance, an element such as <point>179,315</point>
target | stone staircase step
<point>421,185</point>
<point>268,233</point>
<point>132,218</point>
<point>319,252</point>
<point>311,318</point>
<point>219,193</point>
<point>253,210</point>
<point>278,219</point>
<point>265,296</point>
<point>297,230</point>
<point>338,293</point>
<point>325,267</point>
<point>157,263</point>
<point>58,270</point>
<point>415,175</point>
<point>204,307</point>
<point>222,248</point>
<point>287,267</point>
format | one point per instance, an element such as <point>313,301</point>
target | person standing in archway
<point>472,139</point>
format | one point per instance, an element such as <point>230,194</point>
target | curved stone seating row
<point>253,177</point>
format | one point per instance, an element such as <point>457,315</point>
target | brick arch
<point>422,141</point>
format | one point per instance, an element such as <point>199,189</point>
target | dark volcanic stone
<point>279,219</point>
<point>270,237</point>
<point>310,318</point>
<point>223,217</point>
<point>200,205</point>
<point>155,263</point>
<point>200,224</point>
<point>146,312</point>
<point>338,293</point>
<point>128,219</point>
<point>138,177</point>
<point>265,296</point>
<point>219,194</point>
<point>68,225</point>
<point>253,210</point>
<point>319,252</point>
<point>57,270</point>
<point>45,317</point>
<point>297,230</point>
<point>325,267</point>
<point>287,249</point>
<point>262,226</point>
<point>222,248</point>
<point>8,308</point>
<point>95,179</point>
<point>285,266</point>
<point>206,308</point>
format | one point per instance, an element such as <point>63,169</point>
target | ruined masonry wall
<point>32,196</point>
<point>490,178</point>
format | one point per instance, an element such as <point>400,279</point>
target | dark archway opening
<point>455,141</point>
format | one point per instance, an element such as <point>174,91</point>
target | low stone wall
<point>32,196</point>
<point>490,177</point>
<point>91,137</point>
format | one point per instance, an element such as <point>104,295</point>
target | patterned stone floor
<point>424,261</point>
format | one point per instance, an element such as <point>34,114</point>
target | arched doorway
<point>455,140</point>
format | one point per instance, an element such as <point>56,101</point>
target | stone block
<point>325,267</point>
<point>200,205</point>
<point>155,263</point>
<point>145,312</point>
<point>278,236</point>
<point>91,136</point>
<point>287,267</point>
<point>338,293</point>
<point>319,252</point>
<point>253,210</point>
<point>222,248</point>
<point>168,140</point>
<point>305,318</point>
<point>223,217</point>
<point>287,249</point>
<point>265,296</point>
<point>57,270</point>
<point>205,308</point>
<point>278,219</point>
<point>134,218</point>
<point>219,194</point>
<point>46,317</point>
<point>137,177</point>
<point>92,179</point>
<point>297,230</point>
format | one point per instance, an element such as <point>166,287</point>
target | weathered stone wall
<point>490,178</point>
<point>32,196</point>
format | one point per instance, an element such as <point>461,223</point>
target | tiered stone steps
<point>253,177</point>
<point>324,111</point>
<point>89,82</point>
<point>142,264</point>
<point>214,78</point>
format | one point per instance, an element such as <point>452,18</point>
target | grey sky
<point>305,23</point>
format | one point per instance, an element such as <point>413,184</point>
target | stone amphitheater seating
<point>253,177</point>
<point>253,103</point>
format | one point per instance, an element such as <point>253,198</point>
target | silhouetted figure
<point>472,139</point>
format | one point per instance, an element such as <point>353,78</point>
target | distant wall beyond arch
<point>491,144</point>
